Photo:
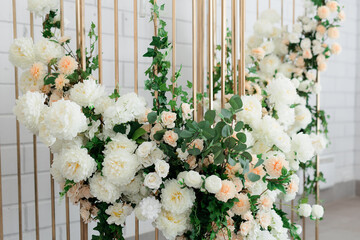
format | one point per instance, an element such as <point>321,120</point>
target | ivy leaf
<point>115,94</point>
<point>138,133</point>
<point>152,117</point>
<point>253,177</point>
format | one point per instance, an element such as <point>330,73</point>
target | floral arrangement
<point>218,178</point>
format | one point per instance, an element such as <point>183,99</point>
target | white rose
<point>317,211</point>
<point>162,168</point>
<point>304,210</point>
<point>182,155</point>
<point>152,180</point>
<point>213,184</point>
<point>298,229</point>
<point>305,44</point>
<point>193,179</point>
<point>186,111</point>
<point>145,149</point>
<point>168,119</point>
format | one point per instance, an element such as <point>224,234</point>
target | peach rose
<point>227,191</point>
<point>323,12</point>
<point>154,130</point>
<point>265,202</point>
<point>170,137</point>
<point>322,66</point>
<point>64,39</point>
<point>191,160</point>
<point>143,118</point>
<point>258,53</point>
<point>293,187</point>
<point>245,228</point>
<point>333,33</point>
<point>60,82</point>
<point>321,29</point>
<point>332,5</point>
<point>264,218</point>
<point>168,119</point>
<point>46,89</point>
<point>146,127</point>
<point>67,65</point>
<point>274,165</point>
<point>242,206</point>
<point>238,184</point>
<point>300,62</point>
<point>197,143</point>
<point>292,56</point>
<point>38,70</point>
<point>342,15</point>
<point>335,48</point>
<point>307,54</point>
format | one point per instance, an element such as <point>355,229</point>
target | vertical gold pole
<point>241,63</point>
<point>17,130</point>
<point>303,219</point>
<point>116,39</point>
<point>211,49</point>
<point>194,70</point>
<point>257,9</point>
<point>293,12</point>
<point>100,40</point>
<point>200,54</point>
<point>292,201</point>
<point>269,3</point>
<point>156,67</point>
<point>223,51</point>
<point>173,46</point>
<point>136,78</point>
<point>78,31</point>
<point>62,17</point>
<point>282,13</point>
<point>156,234</point>
<point>233,41</point>
<point>214,36</point>
<point>317,156</point>
<point>1,205</point>
<point>36,195</point>
<point>52,188</point>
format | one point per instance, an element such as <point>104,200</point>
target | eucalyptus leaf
<point>239,126</point>
<point>241,137</point>
<point>186,134</point>
<point>138,133</point>
<point>226,131</point>
<point>253,177</point>
<point>210,116</point>
<point>236,103</point>
<point>152,117</point>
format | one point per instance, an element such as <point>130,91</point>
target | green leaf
<point>121,128</point>
<point>159,135</point>
<point>138,133</point>
<point>236,103</point>
<point>194,151</point>
<point>226,114</point>
<point>226,131</point>
<point>115,94</point>
<point>241,137</point>
<point>240,147</point>
<point>219,159</point>
<point>152,117</point>
<point>210,116</point>
<point>253,177</point>
<point>186,134</point>
<point>239,126</point>
<point>232,162</point>
<point>259,162</point>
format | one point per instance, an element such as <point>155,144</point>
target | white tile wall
<point>340,98</point>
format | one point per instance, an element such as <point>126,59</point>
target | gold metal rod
<point>17,130</point>
<point>257,9</point>
<point>223,51</point>
<point>82,36</point>
<point>234,43</point>
<point>282,13</point>
<point>100,41</point>
<point>156,234</point>
<point>214,36</point>
<point>67,210</point>
<point>136,64</point>
<point>293,12</point>
<point>136,228</point>
<point>1,205</point>
<point>62,26</point>
<point>52,187</point>
<point>211,48</point>
<point>303,218</point>
<point>78,31</point>
<point>156,67</point>
<point>269,3</point>
<point>292,211</point>
<point>317,156</point>
<point>241,63</point>
<point>200,54</point>
<point>194,70</point>
<point>173,45</point>
<point>116,39</point>
<point>32,25</point>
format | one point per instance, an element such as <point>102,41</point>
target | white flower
<point>86,93</point>
<point>162,168</point>
<point>251,110</point>
<point>302,118</point>
<point>21,52</point>
<point>294,38</point>
<point>319,142</point>
<point>263,28</point>
<point>286,115</point>
<point>257,188</point>
<point>305,44</point>
<point>103,189</point>
<point>120,142</point>
<point>171,224</point>
<point>268,47</point>
<point>29,83</point>
<point>304,210</point>
<point>148,209</point>
<point>55,171</point>
<point>65,119</point>
<point>182,155</point>
<point>297,28</point>
<point>298,229</point>
<point>213,184</point>
<point>28,109</point>
<point>93,129</point>
<point>175,198</point>
<point>75,163</point>
<point>120,166</point>
<point>193,179</point>
<point>286,69</point>
<point>44,131</point>
<point>186,111</point>
<point>42,7</point>
<point>102,103</point>
<point>254,41</point>
<point>47,50</point>
<point>281,90</point>
<point>118,213</point>
<point>152,180</point>
<point>317,211</point>
<point>145,149</point>
<point>301,144</point>
<point>270,15</point>
<point>269,64</point>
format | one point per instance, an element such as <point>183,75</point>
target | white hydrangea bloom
<point>301,146</point>
<point>175,198</point>
<point>22,53</point>
<point>270,15</point>
<point>252,110</point>
<point>148,209</point>
<point>46,50</point>
<point>304,210</point>
<point>86,93</point>
<point>103,103</point>
<point>118,213</point>
<point>269,64</point>
<point>281,90</point>
<point>171,224</point>
<point>103,189</point>
<point>65,120</point>
<point>120,142</point>
<point>28,109</point>
<point>29,83</point>
<point>42,7</point>
<point>120,167</point>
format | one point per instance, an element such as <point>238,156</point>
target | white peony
<point>304,210</point>
<point>269,64</point>
<point>286,115</point>
<point>270,15</point>
<point>148,209</point>
<point>28,109</point>
<point>46,50</point>
<point>301,146</point>
<point>162,168</point>
<point>319,142</point>
<point>65,120</point>
<point>263,28</point>
<point>268,47</point>
<point>305,44</point>
<point>317,211</point>
<point>281,90</point>
<point>120,142</point>
<point>302,118</point>
<point>171,224</point>
<point>118,213</point>
<point>251,110</point>
<point>55,171</point>
<point>102,103</point>
<point>120,167</point>
<point>152,180</point>
<point>76,164</point>
<point>213,184</point>
<point>44,132</point>
<point>29,83</point>
<point>286,69</point>
<point>21,53</point>
<point>175,198</point>
<point>103,189</point>
<point>42,7</point>
<point>193,179</point>
<point>86,93</point>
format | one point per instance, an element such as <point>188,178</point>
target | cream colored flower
<point>242,206</point>
<point>118,213</point>
<point>227,191</point>
<point>323,12</point>
<point>168,119</point>
<point>170,137</point>
<point>67,65</point>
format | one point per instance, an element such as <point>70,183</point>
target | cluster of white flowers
<point>42,7</point>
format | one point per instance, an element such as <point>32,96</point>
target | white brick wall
<point>340,98</point>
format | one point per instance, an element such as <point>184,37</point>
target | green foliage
<point>49,24</point>
<point>68,184</point>
<point>95,149</point>
<point>287,223</point>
